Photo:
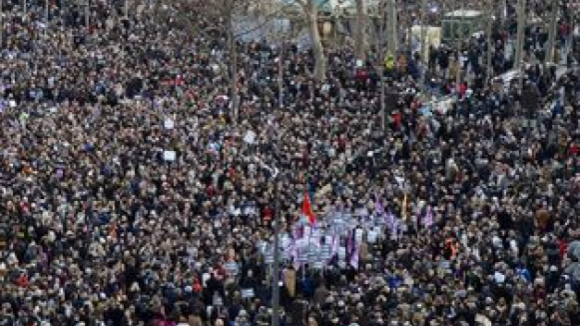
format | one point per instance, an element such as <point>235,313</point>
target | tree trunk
<point>490,45</point>
<point>518,64</point>
<point>392,27</point>
<point>359,36</point>
<point>311,14</point>
<point>233,62</point>
<point>552,31</point>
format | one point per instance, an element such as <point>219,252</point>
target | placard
<point>263,247</point>
<point>168,123</point>
<point>284,241</point>
<point>313,255</point>
<point>217,300</point>
<point>284,255</point>
<point>269,258</point>
<point>316,233</point>
<point>248,293</point>
<point>303,256</point>
<point>169,156</point>
<point>325,252</point>
<point>358,235</point>
<point>205,277</point>
<point>250,137</point>
<point>302,243</point>
<point>342,253</point>
<point>372,236</point>
<point>231,268</point>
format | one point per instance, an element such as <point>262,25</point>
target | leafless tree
<point>360,28</point>
<point>310,11</point>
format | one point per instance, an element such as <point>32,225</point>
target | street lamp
<point>274,173</point>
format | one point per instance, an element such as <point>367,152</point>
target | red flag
<point>307,209</point>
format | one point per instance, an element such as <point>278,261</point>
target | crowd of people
<point>131,193</point>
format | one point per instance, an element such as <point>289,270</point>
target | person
<point>134,191</point>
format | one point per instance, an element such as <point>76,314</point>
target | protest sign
<point>169,156</point>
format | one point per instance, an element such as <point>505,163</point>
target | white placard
<point>231,268</point>
<point>284,255</point>
<point>217,300</point>
<point>169,123</point>
<point>317,233</point>
<point>325,252</point>
<point>250,137</point>
<point>400,181</point>
<point>285,241</point>
<point>342,253</point>
<point>358,235</point>
<point>372,237</point>
<point>302,243</point>
<point>303,258</point>
<point>262,245</point>
<point>269,256</point>
<point>169,156</point>
<point>248,293</point>
<point>205,277</point>
<point>313,256</point>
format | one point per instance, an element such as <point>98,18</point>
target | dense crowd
<point>129,186</point>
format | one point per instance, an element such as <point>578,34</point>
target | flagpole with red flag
<point>307,208</point>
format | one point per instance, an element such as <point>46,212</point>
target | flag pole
<point>276,267</point>
<point>277,214</point>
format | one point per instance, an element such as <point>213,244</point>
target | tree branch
<point>266,21</point>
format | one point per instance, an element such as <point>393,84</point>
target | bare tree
<point>392,26</point>
<point>552,31</point>
<point>490,45</point>
<point>360,27</point>
<point>219,20</point>
<point>310,12</point>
